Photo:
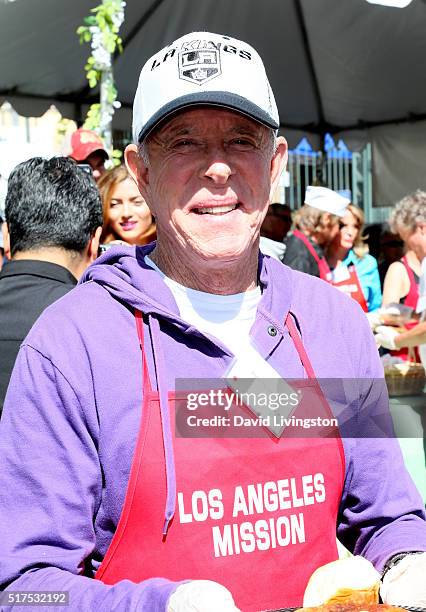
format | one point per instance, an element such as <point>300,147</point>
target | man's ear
<point>6,240</point>
<point>278,163</point>
<point>93,246</point>
<point>136,167</point>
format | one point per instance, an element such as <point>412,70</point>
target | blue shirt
<point>368,275</point>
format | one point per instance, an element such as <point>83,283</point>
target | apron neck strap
<point>295,336</point>
<point>307,244</point>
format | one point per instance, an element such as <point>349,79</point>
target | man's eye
<point>243,143</point>
<point>184,144</point>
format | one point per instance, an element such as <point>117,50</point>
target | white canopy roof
<point>333,64</point>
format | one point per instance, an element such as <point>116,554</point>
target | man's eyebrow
<point>171,131</point>
<point>246,130</point>
<point>183,130</point>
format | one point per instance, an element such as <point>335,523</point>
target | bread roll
<point>348,607</point>
<point>353,580</point>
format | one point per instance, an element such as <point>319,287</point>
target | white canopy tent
<point>348,67</point>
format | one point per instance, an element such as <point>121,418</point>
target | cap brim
<point>223,99</point>
<point>83,153</point>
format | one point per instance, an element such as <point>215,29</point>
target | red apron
<point>323,267</point>
<point>351,286</point>
<point>257,515</point>
<point>410,300</point>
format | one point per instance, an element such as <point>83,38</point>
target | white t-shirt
<point>272,248</point>
<point>229,318</point>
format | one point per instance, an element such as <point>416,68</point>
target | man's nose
<point>218,169</point>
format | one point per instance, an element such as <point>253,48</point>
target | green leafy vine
<point>101,30</point>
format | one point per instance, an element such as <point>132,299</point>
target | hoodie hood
<point>123,272</point>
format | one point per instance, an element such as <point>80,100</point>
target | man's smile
<point>215,210</point>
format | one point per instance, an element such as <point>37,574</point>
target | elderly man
<point>317,224</point>
<point>97,479</point>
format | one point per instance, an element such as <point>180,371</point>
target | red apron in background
<point>265,555</point>
<point>410,300</point>
<point>323,267</point>
<point>351,286</point>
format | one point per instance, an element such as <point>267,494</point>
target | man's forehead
<point>189,121</point>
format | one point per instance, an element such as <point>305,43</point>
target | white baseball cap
<point>327,200</point>
<point>207,69</point>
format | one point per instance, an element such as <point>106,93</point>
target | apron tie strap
<point>154,325</point>
<point>295,336</point>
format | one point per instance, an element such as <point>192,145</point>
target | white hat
<point>203,68</point>
<point>327,200</point>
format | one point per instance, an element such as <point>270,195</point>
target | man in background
<point>51,234</point>
<point>87,148</point>
<point>274,229</point>
<point>317,223</point>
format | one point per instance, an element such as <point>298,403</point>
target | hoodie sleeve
<point>50,490</point>
<point>381,512</point>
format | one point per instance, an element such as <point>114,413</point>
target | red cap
<point>84,143</point>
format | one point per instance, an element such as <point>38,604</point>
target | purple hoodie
<point>72,414</point>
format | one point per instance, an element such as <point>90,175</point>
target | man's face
<point>97,162</point>
<point>208,182</point>
<point>329,229</point>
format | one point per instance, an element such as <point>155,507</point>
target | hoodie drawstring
<point>159,364</point>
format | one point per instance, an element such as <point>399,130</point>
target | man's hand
<point>385,336</point>
<point>201,596</point>
<point>405,584</point>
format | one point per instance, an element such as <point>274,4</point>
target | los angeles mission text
<point>246,534</point>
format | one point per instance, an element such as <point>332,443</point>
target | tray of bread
<point>348,607</point>
<point>403,377</point>
<point>346,585</point>
<point>358,608</point>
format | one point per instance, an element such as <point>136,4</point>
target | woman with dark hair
<point>127,217</point>
<point>353,270</point>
